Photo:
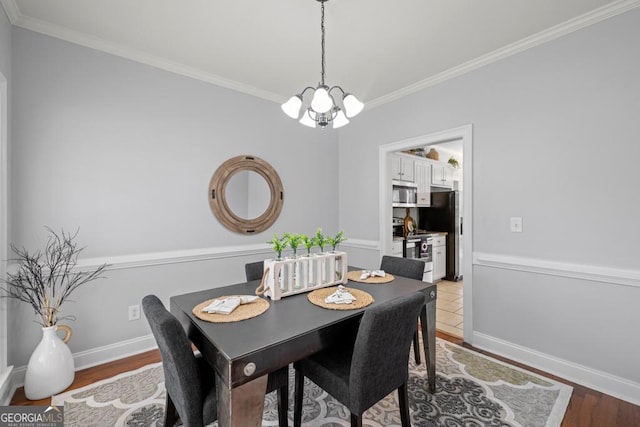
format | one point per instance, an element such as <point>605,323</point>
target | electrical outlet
<point>516,224</point>
<point>134,312</point>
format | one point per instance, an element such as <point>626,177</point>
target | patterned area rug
<point>472,390</point>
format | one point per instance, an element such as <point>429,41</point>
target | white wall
<point>125,152</point>
<point>555,141</point>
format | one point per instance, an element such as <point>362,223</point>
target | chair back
<point>381,352</point>
<point>178,361</point>
<point>254,270</point>
<point>405,267</point>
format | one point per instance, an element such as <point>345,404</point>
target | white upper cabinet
<point>402,168</point>
<point>441,175</point>
<point>423,181</point>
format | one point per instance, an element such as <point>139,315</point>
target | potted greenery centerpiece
<point>45,279</point>
<point>336,240</point>
<point>279,243</point>
<point>321,240</point>
<point>294,240</point>
<point>308,242</point>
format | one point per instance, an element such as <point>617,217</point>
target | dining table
<point>243,353</point>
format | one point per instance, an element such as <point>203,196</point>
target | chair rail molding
<point>120,262</point>
<point>373,245</point>
<point>591,272</point>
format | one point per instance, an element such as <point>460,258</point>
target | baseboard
<point>620,388</point>
<point>6,388</point>
<point>99,355</point>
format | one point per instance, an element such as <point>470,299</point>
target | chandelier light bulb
<point>352,106</point>
<point>321,102</point>
<point>340,120</point>
<point>292,107</point>
<point>307,120</point>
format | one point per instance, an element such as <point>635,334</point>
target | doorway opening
<point>447,290</point>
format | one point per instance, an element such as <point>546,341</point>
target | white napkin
<point>372,273</point>
<point>227,305</point>
<point>340,296</point>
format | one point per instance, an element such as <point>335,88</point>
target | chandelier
<point>323,108</point>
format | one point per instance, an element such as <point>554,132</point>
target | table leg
<point>428,322</point>
<point>241,406</point>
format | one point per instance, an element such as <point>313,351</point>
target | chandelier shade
<point>322,109</point>
<point>292,107</point>
<point>352,106</point>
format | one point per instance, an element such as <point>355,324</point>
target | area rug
<point>472,390</point>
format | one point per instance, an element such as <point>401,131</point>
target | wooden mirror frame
<point>218,199</point>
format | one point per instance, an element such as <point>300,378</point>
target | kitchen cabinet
<point>423,181</point>
<point>402,168</point>
<point>439,257</point>
<point>396,247</point>
<point>442,175</point>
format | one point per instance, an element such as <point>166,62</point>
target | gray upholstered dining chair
<point>189,379</point>
<point>413,269</point>
<point>254,270</point>
<point>360,373</point>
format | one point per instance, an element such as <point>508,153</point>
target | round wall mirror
<point>245,194</point>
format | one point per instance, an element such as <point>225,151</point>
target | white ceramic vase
<point>50,369</point>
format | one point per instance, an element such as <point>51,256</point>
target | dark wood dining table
<point>244,352</point>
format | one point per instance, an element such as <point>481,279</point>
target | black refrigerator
<point>444,215</point>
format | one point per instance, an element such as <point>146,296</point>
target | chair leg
<point>403,401</point>
<point>283,406</point>
<point>356,420</point>
<point>416,347</point>
<point>169,412</point>
<point>297,400</point>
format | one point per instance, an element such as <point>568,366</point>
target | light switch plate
<point>516,224</point>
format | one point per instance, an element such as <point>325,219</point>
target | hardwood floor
<point>587,408</point>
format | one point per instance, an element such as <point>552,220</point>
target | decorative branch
<point>46,279</point>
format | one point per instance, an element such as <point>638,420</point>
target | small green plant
<point>279,243</point>
<point>308,242</point>
<point>321,240</point>
<point>294,240</point>
<point>336,240</point>
<point>453,162</point>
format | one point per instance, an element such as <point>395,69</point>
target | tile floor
<point>449,308</point>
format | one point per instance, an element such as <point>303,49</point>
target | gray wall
<point>555,141</point>
<point>125,152</point>
<point>5,45</point>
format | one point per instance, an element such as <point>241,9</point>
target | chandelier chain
<point>322,41</point>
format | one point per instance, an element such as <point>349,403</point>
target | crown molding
<point>11,9</point>
<point>99,44</point>
<point>567,27</point>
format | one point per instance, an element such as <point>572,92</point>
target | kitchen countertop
<point>422,233</point>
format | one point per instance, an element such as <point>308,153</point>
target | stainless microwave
<point>405,194</point>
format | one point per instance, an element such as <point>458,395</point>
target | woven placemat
<point>242,312</point>
<point>317,297</point>
<point>355,276</point>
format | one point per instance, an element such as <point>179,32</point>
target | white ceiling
<point>378,50</point>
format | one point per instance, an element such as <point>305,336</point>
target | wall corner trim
<point>7,389</point>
